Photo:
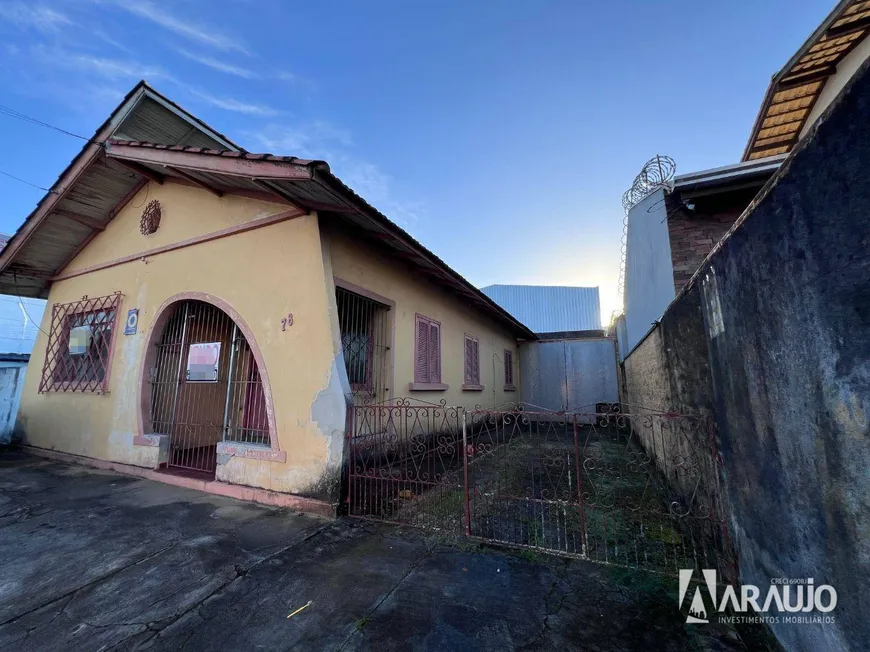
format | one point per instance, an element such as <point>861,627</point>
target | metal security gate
<point>205,387</point>
<point>638,490</point>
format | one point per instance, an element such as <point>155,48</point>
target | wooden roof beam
<point>142,171</point>
<point>210,163</point>
<point>282,195</point>
<point>847,28</point>
<point>806,77</point>
<point>194,180</point>
<point>81,219</point>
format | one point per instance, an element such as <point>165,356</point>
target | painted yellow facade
<point>264,274</point>
<point>261,275</point>
<point>356,262</point>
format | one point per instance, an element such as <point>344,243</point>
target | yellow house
<point>214,315</point>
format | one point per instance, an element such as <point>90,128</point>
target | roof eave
<point>88,153</point>
<point>833,16</point>
<point>325,176</point>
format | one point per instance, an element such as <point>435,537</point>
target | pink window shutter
<point>421,355</point>
<point>475,362</point>
<point>469,379</point>
<point>434,353</point>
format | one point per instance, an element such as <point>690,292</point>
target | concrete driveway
<point>93,560</point>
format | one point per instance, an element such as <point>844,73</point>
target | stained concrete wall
<point>569,374</point>
<point>669,368</point>
<point>786,315</point>
<point>649,272</point>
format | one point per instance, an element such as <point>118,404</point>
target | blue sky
<point>500,133</point>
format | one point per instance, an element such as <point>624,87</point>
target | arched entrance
<point>205,387</point>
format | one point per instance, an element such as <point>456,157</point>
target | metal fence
<point>638,490</point>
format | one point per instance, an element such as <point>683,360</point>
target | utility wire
<point>12,176</point>
<point>18,115</point>
<point>12,113</point>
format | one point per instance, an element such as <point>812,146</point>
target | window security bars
<point>365,343</point>
<point>78,355</point>
<point>508,368</point>
<point>198,409</point>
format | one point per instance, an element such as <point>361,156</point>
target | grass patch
<point>530,555</point>
<point>641,583</point>
<point>362,622</point>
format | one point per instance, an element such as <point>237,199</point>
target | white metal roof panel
<point>549,308</point>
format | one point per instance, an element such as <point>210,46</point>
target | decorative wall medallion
<point>150,221</point>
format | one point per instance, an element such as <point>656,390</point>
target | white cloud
<point>111,69</point>
<point>220,66</point>
<point>38,17</point>
<point>322,140</point>
<point>238,106</point>
<point>100,34</point>
<point>318,139</point>
<point>184,28</point>
<point>297,80</point>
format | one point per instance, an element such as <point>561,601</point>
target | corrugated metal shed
<point>549,308</point>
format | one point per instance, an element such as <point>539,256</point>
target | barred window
<point>364,327</point>
<point>79,349</point>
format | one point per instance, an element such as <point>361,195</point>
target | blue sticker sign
<point>132,321</point>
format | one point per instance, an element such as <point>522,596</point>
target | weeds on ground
<point>530,555</point>
<point>362,622</point>
<point>640,582</point>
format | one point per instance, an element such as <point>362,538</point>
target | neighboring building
<point>670,233</point>
<point>19,324</point>
<point>549,308</point>
<point>215,312</point>
<point>673,230</point>
<point>572,365</point>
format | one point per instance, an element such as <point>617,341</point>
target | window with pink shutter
<point>472,361</point>
<point>427,353</point>
<point>508,368</point>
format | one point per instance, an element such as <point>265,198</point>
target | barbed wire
<point>656,173</point>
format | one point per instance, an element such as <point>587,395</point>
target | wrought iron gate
<point>638,490</point>
<point>205,387</point>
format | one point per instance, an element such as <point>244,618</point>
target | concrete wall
<point>569,374</point>
<point>649,273</point>
<point>786,315</point>
<point>669,368</point>
<point>11,386</point>
<point>669,372</point>
<point>263,275</point>
<point>354,260</point>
